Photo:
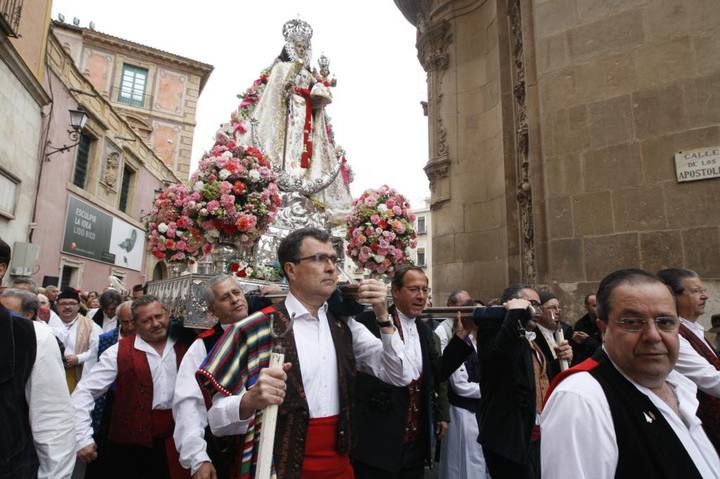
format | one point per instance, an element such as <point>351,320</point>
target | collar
<point>71,323</point>
<point>694,325</point>
<point>141,345</point>
<point>296,309</point>
<point>404,318</point>
<point>545,331</point>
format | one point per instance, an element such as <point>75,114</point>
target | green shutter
<point>81,162</point>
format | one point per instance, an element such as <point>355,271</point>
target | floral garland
<point>238,193</point>
<point>380,230</point>
<point>173,235</point>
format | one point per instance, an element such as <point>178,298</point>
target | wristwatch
<point>385,324</point>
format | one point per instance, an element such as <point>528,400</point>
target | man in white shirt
<point>548,324</point>
<point>77,332</point>
<point>35,418</point>
<point>626,413</point>
<point>322,354</point>
<point>226,301</point>
<point>143,368</point>
<point>697,359</point>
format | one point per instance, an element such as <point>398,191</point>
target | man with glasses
<point>78,333</point>
<point>625,413</point>
<point>322,354</point>
<point>697,359</point>
<point>547,324</point>
<point>392,424</point>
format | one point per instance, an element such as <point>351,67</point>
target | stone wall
<point>623,86</point>
<point>553,128</point>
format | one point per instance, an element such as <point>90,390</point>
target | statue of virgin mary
<point>283,113</point>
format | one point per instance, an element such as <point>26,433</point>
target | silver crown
<point>297,30</point>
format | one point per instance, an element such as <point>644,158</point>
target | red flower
<point>239,188</point>
<point>241,273</point>
<point>234,267</point>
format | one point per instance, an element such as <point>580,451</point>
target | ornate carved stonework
<point>433,41</point>
<point>524,186</point>
<point>110,170</point>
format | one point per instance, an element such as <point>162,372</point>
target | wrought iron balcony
<point>10,16</point>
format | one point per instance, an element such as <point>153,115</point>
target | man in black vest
<point>393,424</point>
<point>625,413</point>
<point>36,432</point>
<point>106,315</point>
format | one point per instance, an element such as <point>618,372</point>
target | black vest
<point>380,409</point>
<point>18,348</point>
<point>645,449</point>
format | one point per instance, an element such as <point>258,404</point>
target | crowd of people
<point>369,389</point>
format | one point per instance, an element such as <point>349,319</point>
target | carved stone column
<point>432,44</point>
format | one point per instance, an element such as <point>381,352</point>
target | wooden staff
<point>559,339</point>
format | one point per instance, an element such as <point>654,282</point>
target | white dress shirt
<point>411,338</point>
<point>384,358</point>
<point>48,399</point>
<point>579,437</point>
<point>163,370</point>
<point>189,410</point>
<point>109,323</point>
<point>695,367</point>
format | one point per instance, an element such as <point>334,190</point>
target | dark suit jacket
<point>553,365</point>
<point>507,406</point>
<point>582,351</point>
<point>380,409</point>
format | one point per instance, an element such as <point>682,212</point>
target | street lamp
<point>78,118</point>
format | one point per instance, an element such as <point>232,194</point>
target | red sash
<point>322,460</point>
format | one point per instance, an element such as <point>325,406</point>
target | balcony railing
<point>10,16</point>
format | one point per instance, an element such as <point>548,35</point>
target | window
<point>69,276</point>
<point>127,184</point>
<point>421,256</point>
<point>421,225</point>
<point>132,85</point>
<point>8,194</point>
<point>81,162</point>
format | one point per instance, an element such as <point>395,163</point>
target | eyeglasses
<point>667,324</point>
<point>71,303</point>
<point>319,258</point>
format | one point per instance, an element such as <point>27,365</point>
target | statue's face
<point>301,48</point>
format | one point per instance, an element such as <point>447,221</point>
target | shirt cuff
<point>84,442</point>
<point>198,461</point>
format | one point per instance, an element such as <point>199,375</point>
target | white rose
<point>382,207</point>
<point>224,174</point>
<point>162,228</point>
<point>198,186</point>
<point>254,175</point>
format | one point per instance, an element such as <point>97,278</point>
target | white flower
<point>223,174</point>
<point>254,175</point>
<point>162,228</point>
<point>198,186</point>
<point>382,207</point>
<point>379,258</point>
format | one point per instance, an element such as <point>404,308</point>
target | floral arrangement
<point>380,230</point>
<point>173,235</point>
<point>234,193</point>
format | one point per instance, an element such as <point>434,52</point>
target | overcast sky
<point>376,111</point>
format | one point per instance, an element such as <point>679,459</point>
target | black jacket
<point>582,351</point>
<point>553,365</point>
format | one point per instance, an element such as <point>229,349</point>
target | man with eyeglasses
<point>78,333</point>
<point>547,324</point>
<point>625,413</point>
<point>392,425</point>
<point>697,359</point>
<point>314,386</point>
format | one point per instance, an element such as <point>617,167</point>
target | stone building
<point>569,114</point>
<point>22,97</point>
<point>94,192</point>
<point>156,92</point>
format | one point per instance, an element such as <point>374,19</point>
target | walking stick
<point>559,339</point>
<point>270,413</point>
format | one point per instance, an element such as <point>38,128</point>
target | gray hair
<point>126,304</point>
<point>207,287</point>
<point>29,302</point>
<point>25,280</point>
<point>110,298</point>
<point>144,301</point>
